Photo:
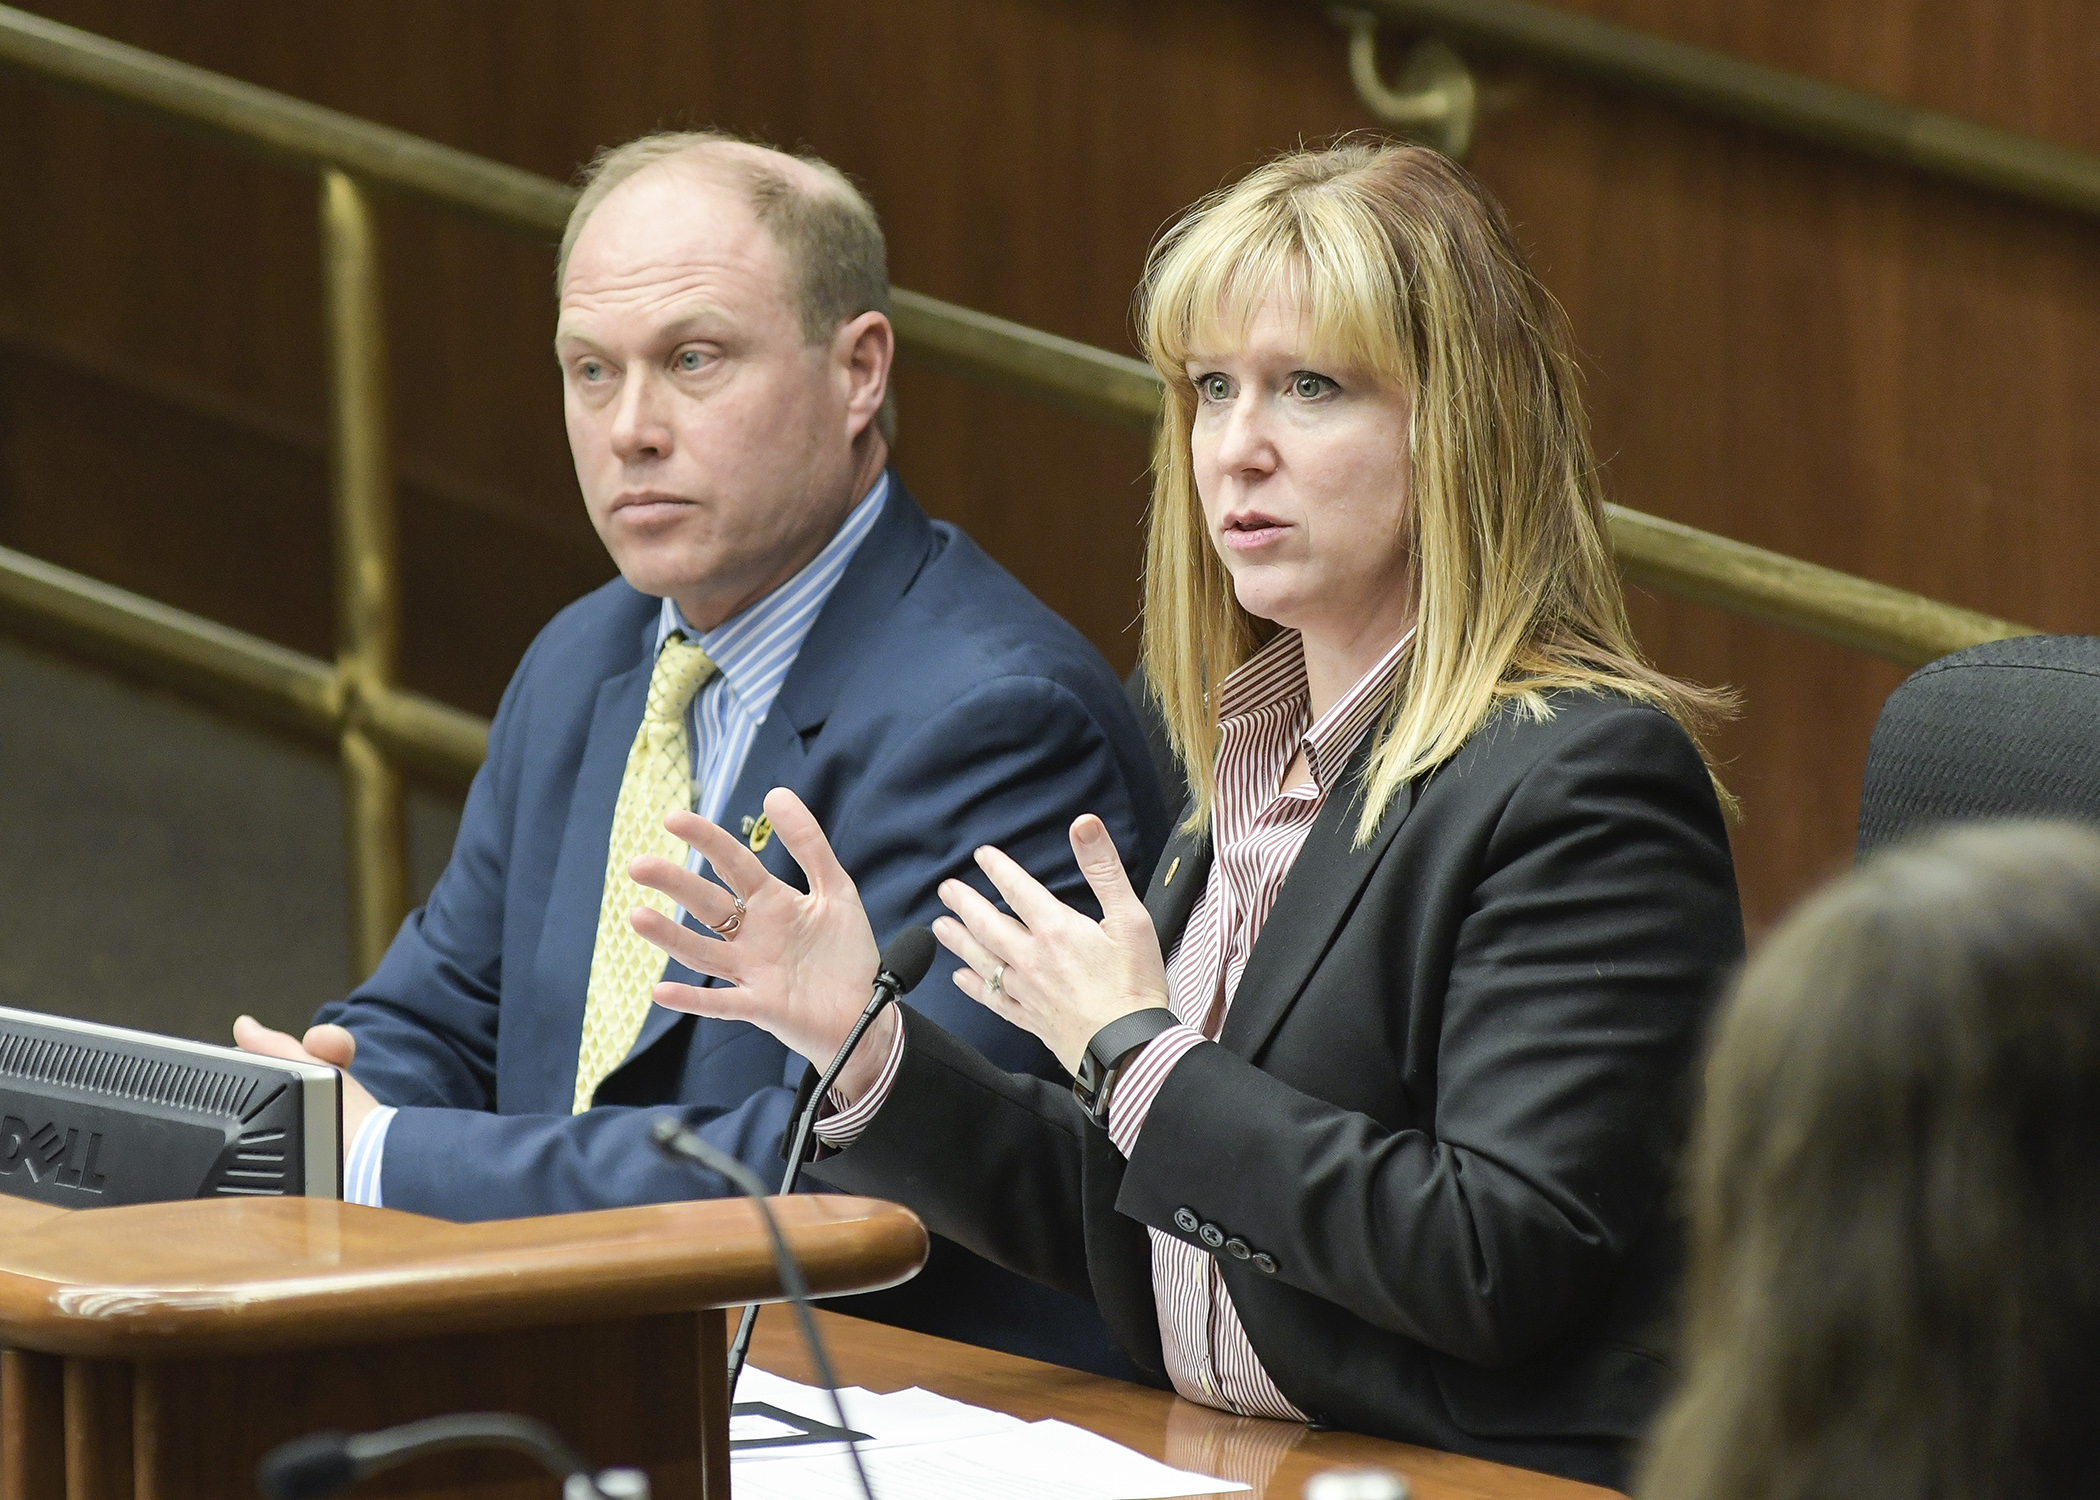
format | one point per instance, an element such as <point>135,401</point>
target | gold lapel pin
<point>1172,866</point>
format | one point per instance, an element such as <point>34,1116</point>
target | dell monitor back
<point>94,1116</point>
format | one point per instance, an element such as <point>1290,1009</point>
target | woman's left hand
<point>1061,975</point>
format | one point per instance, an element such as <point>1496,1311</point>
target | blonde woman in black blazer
<point>1375,1090</point>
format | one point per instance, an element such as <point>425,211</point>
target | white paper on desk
<point>898,1419</point>
<point>1039,1461</point>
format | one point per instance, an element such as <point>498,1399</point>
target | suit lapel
<point>1177,880</point>
<point>882,568</point>
<point>1317,896</point>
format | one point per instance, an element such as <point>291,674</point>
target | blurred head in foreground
<point>1895,1189</point>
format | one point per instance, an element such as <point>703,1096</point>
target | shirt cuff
<point>842,1127</point>
<point>363,1158</point>
<point>1139,1083</point>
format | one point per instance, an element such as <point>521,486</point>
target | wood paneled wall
<point>1836,359</point>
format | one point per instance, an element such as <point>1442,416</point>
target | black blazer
<point>1441,1115</point>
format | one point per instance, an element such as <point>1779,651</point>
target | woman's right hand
<point>800,967</point>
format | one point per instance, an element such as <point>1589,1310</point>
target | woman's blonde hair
<point>1401,265</point>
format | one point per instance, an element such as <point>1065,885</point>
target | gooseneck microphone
<point>902,965</point>
<point>675,1140</point>
<point>328,1463</point>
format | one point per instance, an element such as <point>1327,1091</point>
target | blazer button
<point>1211,1235</point>
<point>1238,1249</point>
<point>1185,1220</point>
<point>1265,1263</point>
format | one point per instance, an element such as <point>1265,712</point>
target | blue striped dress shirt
<point>752,652</point>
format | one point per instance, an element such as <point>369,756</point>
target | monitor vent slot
<point>257,1170</point>
<point>171,1085</point>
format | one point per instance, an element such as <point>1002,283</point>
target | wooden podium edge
<point>213,1277</point>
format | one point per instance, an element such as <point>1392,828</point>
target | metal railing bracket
<point>1433,101</point>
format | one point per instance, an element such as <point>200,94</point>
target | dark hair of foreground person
<point>1895,1190</point>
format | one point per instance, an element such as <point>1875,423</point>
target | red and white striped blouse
<point>1258,825</point>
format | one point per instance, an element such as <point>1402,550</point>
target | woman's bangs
<point>1211,284</point>
<point>1354,315</point>
<point>1225,267</point>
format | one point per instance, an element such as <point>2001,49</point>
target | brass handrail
<point>367,592</point>
<point>1012,356</point>
<point>241,673</point>
<point>259,679</point>
<point>1804,597</point>
<point>376,725</point>
<point>277,126</point>
<point>1944,145</point>
<point>1089,381</point>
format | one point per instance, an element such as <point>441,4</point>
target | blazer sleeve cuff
<point>839,1124</point>
<point>1141,1082</point>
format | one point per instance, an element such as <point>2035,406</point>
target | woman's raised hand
<point>1055,972</point>
<point>798,966</point>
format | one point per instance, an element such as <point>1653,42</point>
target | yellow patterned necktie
<point>659,779</point>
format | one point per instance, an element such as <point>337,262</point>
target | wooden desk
<point>1276,1458</point>
<point>155,1352</point>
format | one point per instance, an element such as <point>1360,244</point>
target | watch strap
<point>1106,1053</point>
<point>1125,1034</point>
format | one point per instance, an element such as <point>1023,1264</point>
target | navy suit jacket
<point>936,705</point>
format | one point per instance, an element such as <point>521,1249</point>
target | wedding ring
<point>996,985</point>
<point>730,926</point>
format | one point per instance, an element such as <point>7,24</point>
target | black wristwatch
<point>1112,1047</point>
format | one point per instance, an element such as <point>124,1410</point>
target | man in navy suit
<point>786,615</point>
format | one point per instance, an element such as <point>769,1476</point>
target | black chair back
<point>2010,729</point>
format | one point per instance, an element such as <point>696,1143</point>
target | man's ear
<point>863,350</point>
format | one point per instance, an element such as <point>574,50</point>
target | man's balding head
<point>826,230</point>
<point>725,356</point>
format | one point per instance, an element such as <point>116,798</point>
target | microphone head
<point>908,957</point>
<point>308,1468</point>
